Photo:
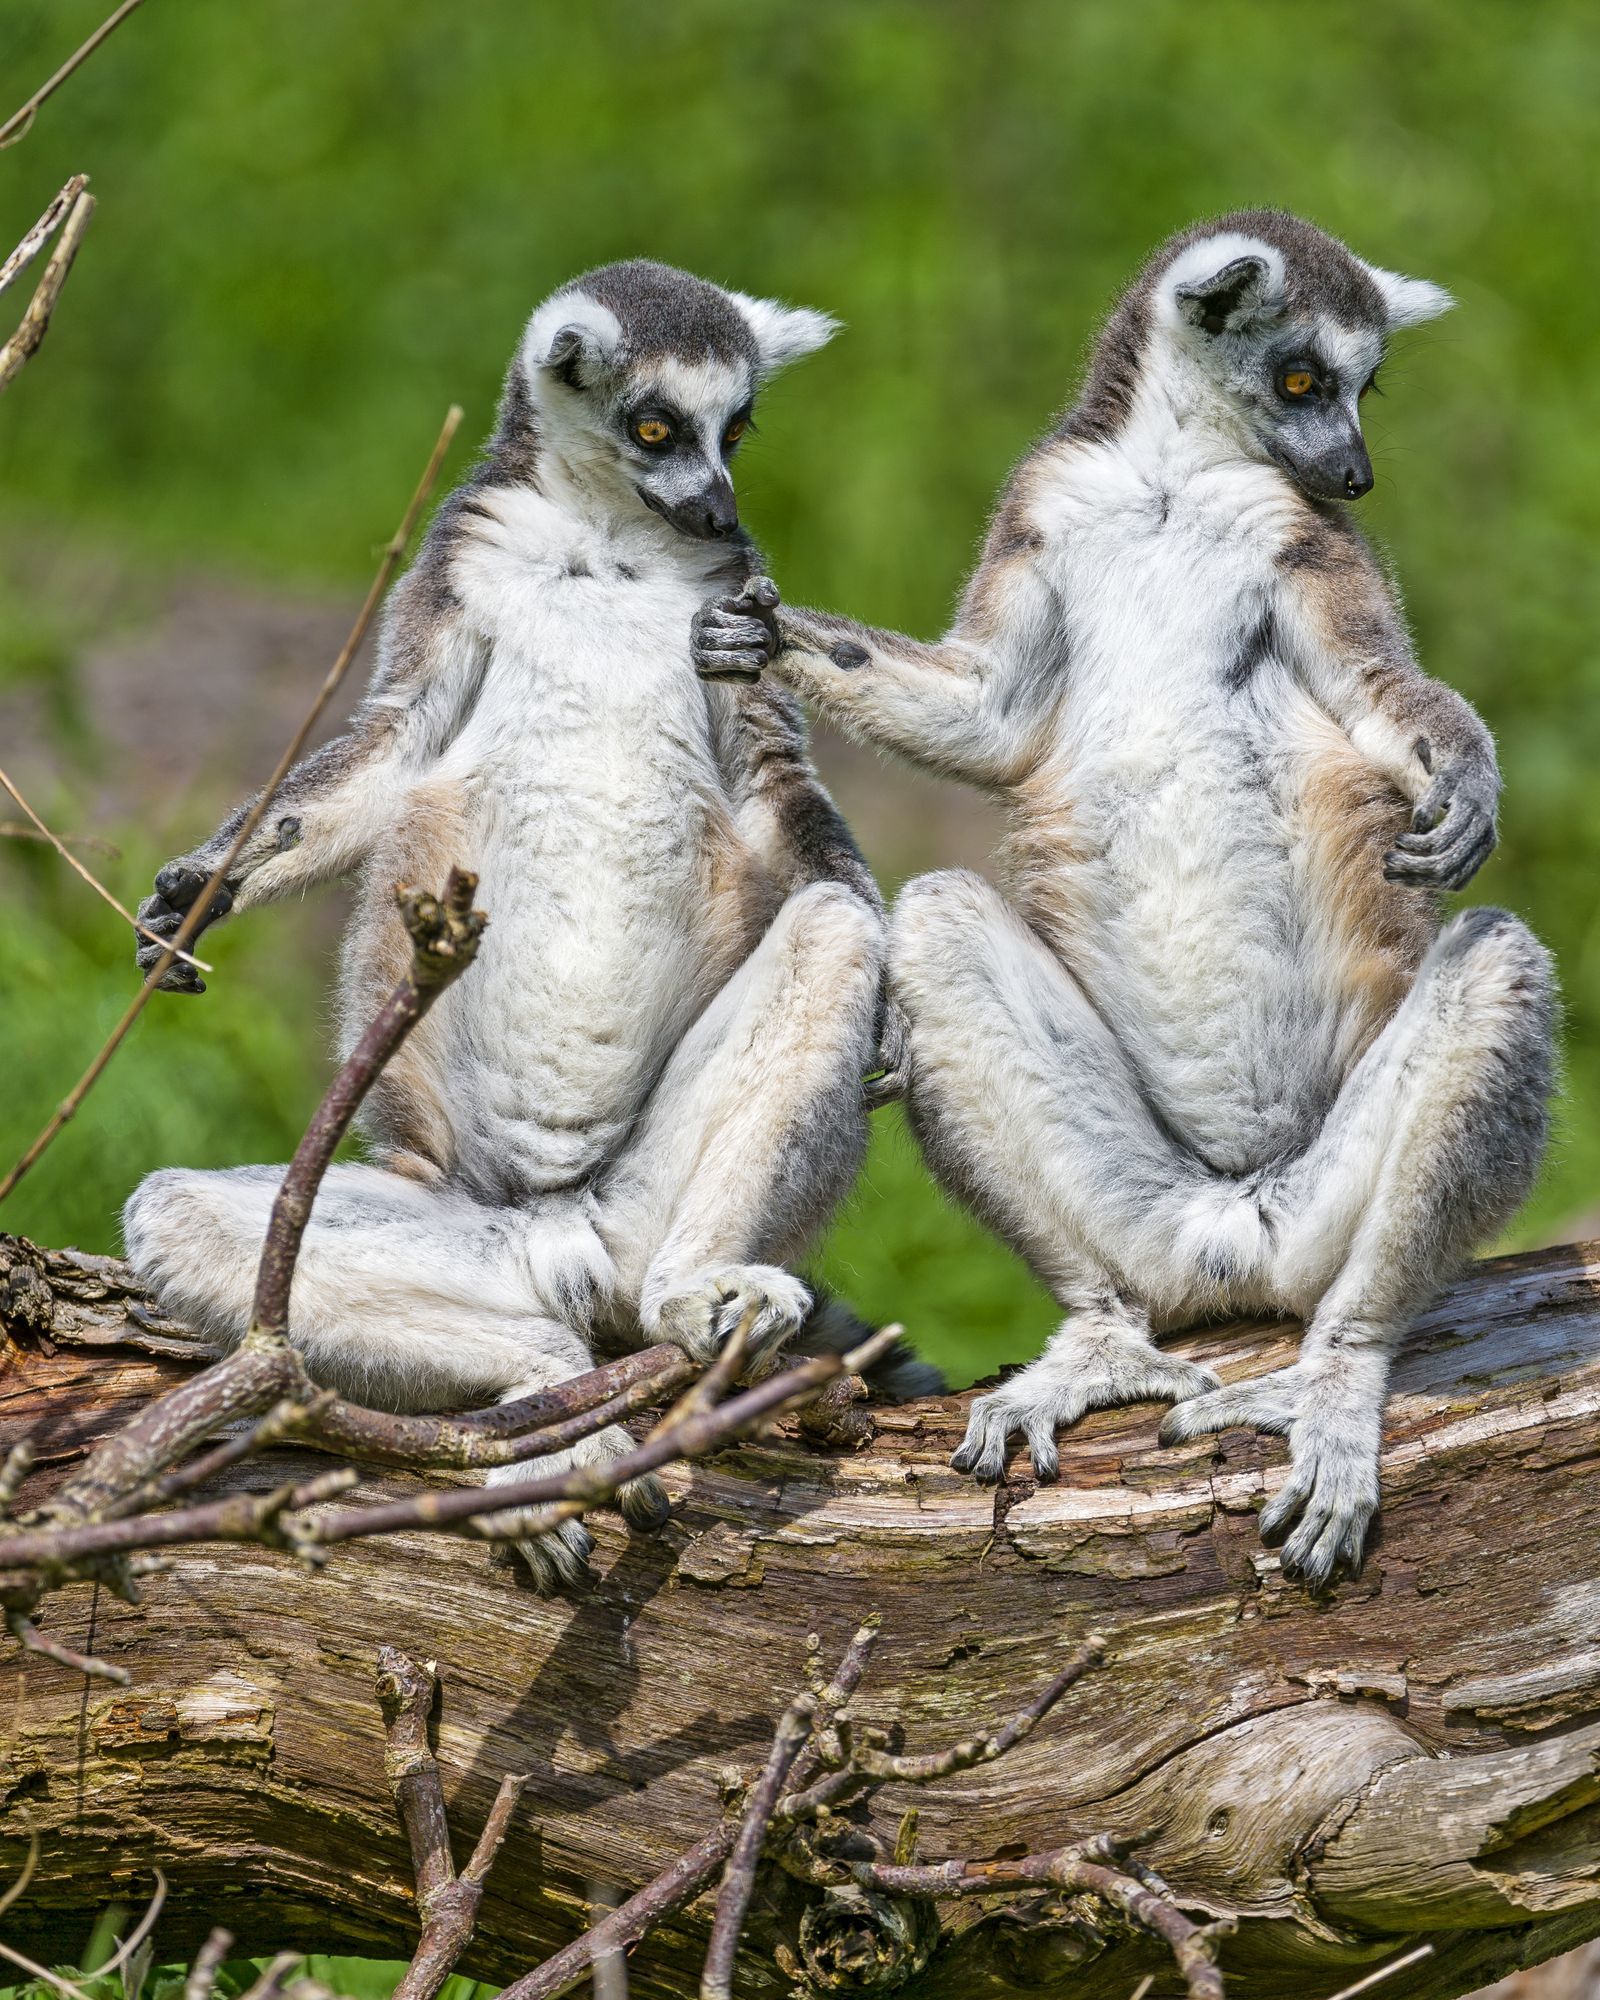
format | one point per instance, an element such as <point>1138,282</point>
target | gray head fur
<point>1274,324</point>
<point>640,380</point>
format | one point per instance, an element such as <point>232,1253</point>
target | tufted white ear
<point>783,333</point>
<point>1409,301</point>
<point>1222,284</point>
<point>573,336</point>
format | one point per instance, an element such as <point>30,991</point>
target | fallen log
<point>1414,1758</point>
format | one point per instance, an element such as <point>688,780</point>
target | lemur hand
<point>1452,832</point>
<point>176,887</point>
<point>733,638</point>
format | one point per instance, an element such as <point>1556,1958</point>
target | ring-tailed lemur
<point>647,1095</point>
<point>1211,1051</point>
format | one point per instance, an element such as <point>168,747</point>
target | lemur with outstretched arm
<point>647,1095</point>
<point>1213,1049</point>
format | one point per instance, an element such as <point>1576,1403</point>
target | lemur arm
<point>337,802</point>
<point>783,808</point>
<point>1350,643</point>
<point>968,706</point>
<point>786,814</point>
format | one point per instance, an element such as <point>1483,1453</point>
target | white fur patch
<point>1409,301</point>
<point>783,333</point>
<point>569,307</point>
<point>1204,260</point>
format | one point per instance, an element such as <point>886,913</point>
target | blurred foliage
<point>319,224</point>
<point>142,1979</point>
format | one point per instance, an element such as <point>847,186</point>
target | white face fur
<point>1288,366</point>
<point>649,422</point>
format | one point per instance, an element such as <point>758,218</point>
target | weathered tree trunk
<point>1415,1758</point>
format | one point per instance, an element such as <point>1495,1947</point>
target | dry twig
<point>41,232</point>
<point>43,833</point>
<point>739,1877</point>
<point>18,124</point>
<point>69,1105</point>
<point>35,321</point>
<point>446,1902</point>
<point>15,829</point>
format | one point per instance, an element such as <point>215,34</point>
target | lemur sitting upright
<point>1211,1051</point>
<point>647,1094</point>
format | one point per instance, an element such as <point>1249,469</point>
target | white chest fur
<point>591,792</point>
<point>1187,910</point>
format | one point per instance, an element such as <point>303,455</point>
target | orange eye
<point>1298,381</point>
<point>651,430</point>
<point>734,432</point>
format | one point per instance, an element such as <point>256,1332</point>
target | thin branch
<point>677,1884</point>
<point>683,1879</point>
<point>18,1464</point>
<point>208,1962</point>
<point>94,883</point>
<point>444,939</point>
<point>140,1932</point>
<point>1384,1971</point>
<point>20,121</point>
<point>406,1694</point>
<point>266,1372</point>
<point>43,1972</point>
<point>13,829</point>
<point>879,1765</point>
<point>739,1877</point>
<point>36,320</point>
<point>22,1628</point>
<point>271,1982</point>
<point>41,232</point>
<point>1063,1869</point>
<point>246,1517</point>
<point>594,1486</point>
<point>446,1902</point>
<point>186,930</point>
<point>24,1878</point>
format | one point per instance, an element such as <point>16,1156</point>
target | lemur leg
<point>1430,1147</point>
<point>1029,1112</point>
<point>406,1297</point>
<point>754,1134</point>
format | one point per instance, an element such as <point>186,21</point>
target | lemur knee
<point>1505,975</point>
<point>830,920</point>
<point>934,916</point>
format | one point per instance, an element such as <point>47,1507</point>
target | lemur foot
<point>733,638</point>
<point>1098,1372</point>
<point>1330,1495</point>
<point>558,1560</point>
<point>700,1315</point>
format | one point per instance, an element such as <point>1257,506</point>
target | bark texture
<point>1415,1757</point>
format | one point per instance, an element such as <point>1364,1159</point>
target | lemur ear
<point>1229,296</point>
<point>1409,301</point>
<point>783,333</point>
<point>572,337</point>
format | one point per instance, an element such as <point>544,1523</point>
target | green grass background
<point>319,224</point>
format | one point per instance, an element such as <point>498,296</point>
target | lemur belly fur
<point>1173,845</point>
<point>622,894</point>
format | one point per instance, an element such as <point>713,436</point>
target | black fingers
<point>1446,856</point>
<point>178,886</point>
<point>180,882</point>
<point>157,915</point>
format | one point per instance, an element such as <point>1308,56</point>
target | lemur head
<point>643,379</point>
<point>1287,328</point>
